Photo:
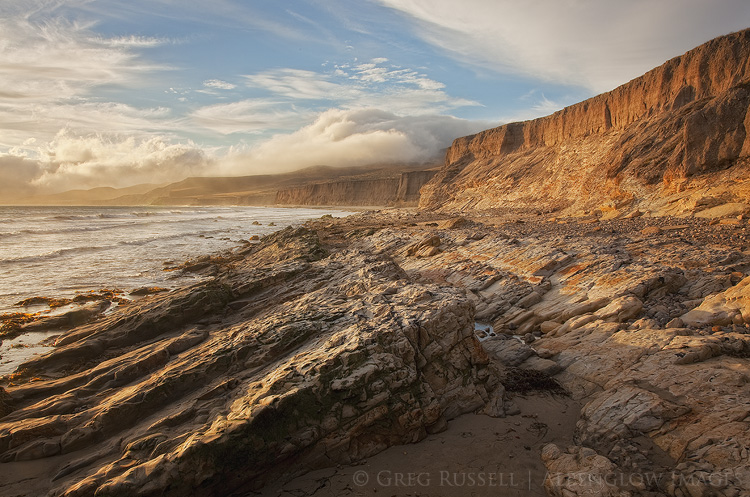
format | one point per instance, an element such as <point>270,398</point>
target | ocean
<point>59,251</point>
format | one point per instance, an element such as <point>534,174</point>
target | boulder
<point>731,306</point>
<point>508,351</point>
<point>620,309</point>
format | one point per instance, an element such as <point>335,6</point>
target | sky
<point>116,93</point>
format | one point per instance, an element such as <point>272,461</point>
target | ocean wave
<point>97,248</point>
<point>144,241</point>
<point>103,215</point>
<point>77,217</point>
<point>127,225</point>
<point>54,231</point>
<point>53,254</point>
<point>69,217</point>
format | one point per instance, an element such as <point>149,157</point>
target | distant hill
<point>94,196</point>
<point>378,184</point>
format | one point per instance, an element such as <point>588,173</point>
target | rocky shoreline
<point>322,346</point>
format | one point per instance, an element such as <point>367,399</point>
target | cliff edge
<point>672,141</point>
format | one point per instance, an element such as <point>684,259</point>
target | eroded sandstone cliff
<point>672,141</point>
<point>400,190</point>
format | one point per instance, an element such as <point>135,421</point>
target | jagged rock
<point>583,308</point>
<point>529,300</point>
<point>580,471</point>
<point>425,248</point>
<point>549,326</point>
<point>148,290</point>
<point>680,390</point>
<point>644,323</point>
<point>325,364</point>
<point>542,365</point>
<point>450,224</point>
<point>497,405</point>
<point>6,406</point>
<point>626,411</point>
<point>68,319</point>
<point>574,323</point>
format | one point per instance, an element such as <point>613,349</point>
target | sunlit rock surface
<point>287,361</point>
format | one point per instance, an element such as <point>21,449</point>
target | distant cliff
<point>678,129</point>
<point>392,184</point>
<point>401,190</point>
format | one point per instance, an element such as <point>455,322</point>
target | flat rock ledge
<point>289,360</point>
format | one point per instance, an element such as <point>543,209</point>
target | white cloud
<point>41,122</point>
<point>219,84</point>
<point>341,137</point>
<point>598,44</point>
<point>133,41</point>
<point>72,161</point>
<point>338,137</point>
<point>86,161</point>
<point>50,67</point>
<point>294,83</point>
<point>249,116</point>
<point>55,59</point>
<point>364,85</point>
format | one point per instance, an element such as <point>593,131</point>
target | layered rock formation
<point>289,360</point>
<point>672,141</point>
<point>402,190</point>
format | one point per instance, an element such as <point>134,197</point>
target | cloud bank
<point>338,137</point>
<point>79,162</point>
<point>341,137</point>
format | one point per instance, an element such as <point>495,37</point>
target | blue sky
<point>104,92</point>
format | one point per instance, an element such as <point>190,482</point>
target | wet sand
<point>476,456</point>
